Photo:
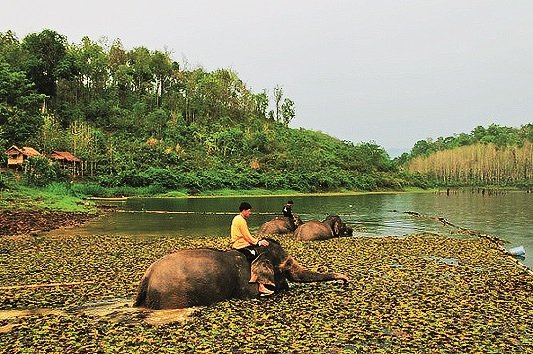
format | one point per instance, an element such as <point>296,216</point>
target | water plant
<point>403,296</point>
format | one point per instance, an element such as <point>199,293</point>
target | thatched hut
<point>67,161</point>
<point>16,155</point>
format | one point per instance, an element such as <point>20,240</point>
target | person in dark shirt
<point>287,212</point>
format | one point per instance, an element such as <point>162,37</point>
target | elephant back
<point>277,226</point>
<point>312,230</point>
<point>338,226</point>
<point>196,277</point>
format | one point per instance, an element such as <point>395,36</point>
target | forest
<point>138,118</point>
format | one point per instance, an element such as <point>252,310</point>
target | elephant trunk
<point>296,273</point>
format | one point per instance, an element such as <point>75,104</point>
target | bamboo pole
<point>46,285</point>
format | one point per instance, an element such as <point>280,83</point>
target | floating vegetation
<point>422,293</point>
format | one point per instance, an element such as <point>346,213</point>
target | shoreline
<point>18,222</point>
<point>15,222</point>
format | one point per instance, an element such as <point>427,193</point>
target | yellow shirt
<point>240,234</point>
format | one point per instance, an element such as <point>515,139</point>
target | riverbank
<point>421,293</point>
<point>24,222</point>
<point>79,197</point>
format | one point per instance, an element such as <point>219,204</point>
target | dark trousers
<point>250,253</point>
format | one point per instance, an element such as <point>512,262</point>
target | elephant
<point>279,226</point>
<point>315,230</point>
<point>204,276</point>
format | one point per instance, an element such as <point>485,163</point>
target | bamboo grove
<point>479,164</point>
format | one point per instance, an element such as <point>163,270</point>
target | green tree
<point>423,148</point>
<point>526,132</point>
<point>10,50</point>
<point>45,50</point>
<point>463,139</point>
<point>500,136</point>
<point>120,71</point>
<point>139,60</point>
<point>51,135</point>
<point>93,63</point>
<point>478,133</point>
<point>260,102</point>
<point>372,157</point>
<point>278,95</point>
<point>161,66</point>
<point>87,143</point>
<point>19,106</point>
<point>193,96</point>
<point>39,172</point>
<point>287,111</point>
<point>70,87</point>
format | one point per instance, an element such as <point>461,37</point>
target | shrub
<point>82,190</point>
<point>38,172</point>
<point>5,180</point>
<point>132,178</point>
<point>162,177</point>
<point>58,188</point>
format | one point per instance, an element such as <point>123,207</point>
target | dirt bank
<point>23,222</point>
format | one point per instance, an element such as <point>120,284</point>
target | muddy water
<point>111,310</point>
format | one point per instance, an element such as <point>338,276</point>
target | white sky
<point>391,71</point>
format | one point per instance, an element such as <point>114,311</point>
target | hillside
<point>139,118</point>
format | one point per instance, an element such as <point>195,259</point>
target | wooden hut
<point>16,156</point>
<point>67,161</point>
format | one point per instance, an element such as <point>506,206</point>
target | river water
<point>506,215</point>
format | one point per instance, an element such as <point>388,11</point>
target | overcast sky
<point>392,72</point>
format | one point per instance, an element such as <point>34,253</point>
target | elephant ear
<point>262,271</point>
<point>336,227</point>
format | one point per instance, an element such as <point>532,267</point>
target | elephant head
<point>338,226</point>
<point>297,221</point>
<point>200,277</point>
<point>314,230</point>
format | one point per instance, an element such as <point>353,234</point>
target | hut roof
<point>26,150</point>
<point>64,155</point>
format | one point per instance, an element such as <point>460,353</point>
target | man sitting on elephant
<point>287,212</point>
<point>243,241</point>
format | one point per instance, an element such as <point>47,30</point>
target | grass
<point>56,196</point>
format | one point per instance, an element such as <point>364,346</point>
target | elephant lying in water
<point>315,230</point>
<point>279,226</point>
<point>200,277</point>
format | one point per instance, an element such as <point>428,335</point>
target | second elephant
<point>279,226</point>
<point>315,230</point>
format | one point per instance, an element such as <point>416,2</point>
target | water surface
<point>505,215</point>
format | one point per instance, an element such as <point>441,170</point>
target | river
<point>506,215</point>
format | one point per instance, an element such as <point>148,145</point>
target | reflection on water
<point>506,215</point>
